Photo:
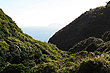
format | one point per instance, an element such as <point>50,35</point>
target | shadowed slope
<point>92,23</point>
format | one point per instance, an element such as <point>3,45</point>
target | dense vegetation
<point>92,23</point>
<point>20,53</point>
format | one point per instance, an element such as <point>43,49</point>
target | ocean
<point>40,33</point>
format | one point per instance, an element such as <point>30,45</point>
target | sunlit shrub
<point>94,65</point>
<point>45,68</point>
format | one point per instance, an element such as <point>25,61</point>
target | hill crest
<point>92,23</point>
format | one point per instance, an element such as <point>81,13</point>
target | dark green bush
<point>15,68</point>
<point>83,44</point>
<point>94,66</point>
<point>106,36</point>
<point>91,47</point>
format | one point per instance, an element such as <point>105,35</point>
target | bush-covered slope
<point>20,53</point>
<point>89,44</point>
<point>92,23</point>
<point>17,47</point>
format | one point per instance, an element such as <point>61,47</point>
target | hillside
<point>20,49</point>
<point>20,53</point>
<point>92,23</point>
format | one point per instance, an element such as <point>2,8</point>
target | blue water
<point>40,33</point>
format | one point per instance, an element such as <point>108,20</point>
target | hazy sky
<point>45,12</point>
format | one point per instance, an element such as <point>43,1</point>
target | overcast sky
<point>46,12</point>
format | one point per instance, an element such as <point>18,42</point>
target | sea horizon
<point>40,33</point>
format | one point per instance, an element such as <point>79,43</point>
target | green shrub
<point>91,47</point>
<point>15,68</point>
<point>106,36</point>
<point>94,65</point>
<point>83,44</point>
<point>72,69</point>
<point>45,68</point>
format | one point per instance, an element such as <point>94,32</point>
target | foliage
<point>106,36</point>
<point>96,65</point>
<point>91,47</point>
<point>17,47</point>
<point>86,43</point>
<point>15,68</point>
<point>20,53</point>
<point>45,68</point>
